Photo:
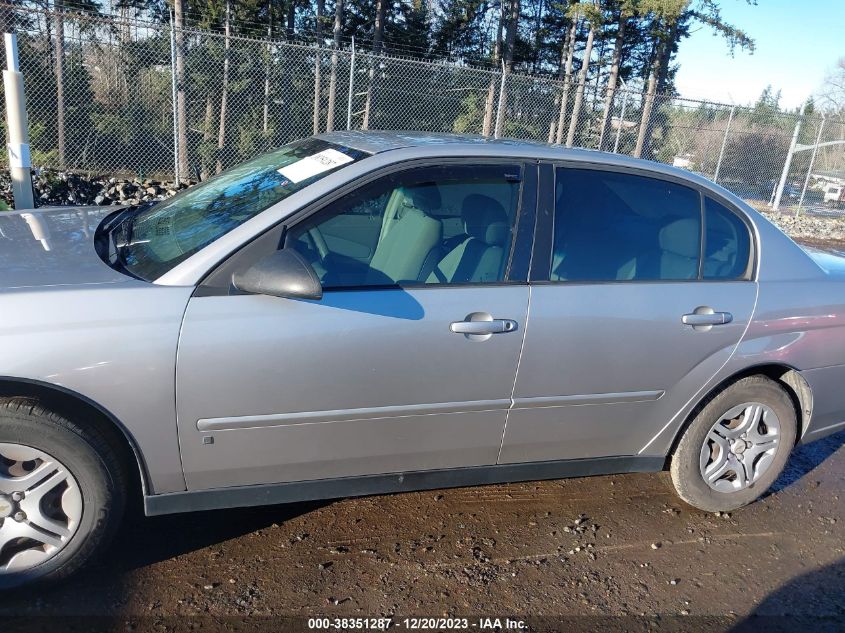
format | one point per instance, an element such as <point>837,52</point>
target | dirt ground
<point>603,546</point>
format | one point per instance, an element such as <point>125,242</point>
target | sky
<point>797,43</point>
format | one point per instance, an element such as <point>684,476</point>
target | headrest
<point>425,197</point>
<point>681,237</point>
<point>485,219</point>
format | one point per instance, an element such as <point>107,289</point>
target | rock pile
<point>66,188</point>
<point>809,227</point>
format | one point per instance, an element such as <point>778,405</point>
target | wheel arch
<point>83,410</point>
<point>788,377</point>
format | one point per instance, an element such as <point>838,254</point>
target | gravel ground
<point>815,228</point>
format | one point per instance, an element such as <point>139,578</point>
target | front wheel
<point>61,493</point>
<point>736,446</point>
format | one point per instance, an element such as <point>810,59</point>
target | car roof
<point>382,141</point>
<point>427,144</point>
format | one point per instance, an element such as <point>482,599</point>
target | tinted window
<point>727,245</point>
<point>438,225</point>
<point>620,227</point>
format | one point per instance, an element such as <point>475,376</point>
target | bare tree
<point>224,92</point>
<point>593,15</point>
<point>487,125</point>
<point>378,36</point>
<point>832,93</point>
<point>567,74</point>
<point>338,26</point>
<point>648,100</point>
<point>561,73</point>
<point>626,11</point>
<point>510,42</point>
<point>318,27</point>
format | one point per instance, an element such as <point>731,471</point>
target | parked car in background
<point>362,313</point>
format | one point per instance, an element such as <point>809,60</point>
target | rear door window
<point>727,244</point>
<point>611,226</point>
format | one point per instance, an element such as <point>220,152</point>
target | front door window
<point>433,225</point>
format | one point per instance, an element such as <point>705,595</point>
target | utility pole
<point>724,143</point>
<point>810,168</point>
<point>174,96</point>
<point>785,174</point>
<point>17,127</point>
<point>500,107</point>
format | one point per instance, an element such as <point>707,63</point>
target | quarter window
<point>727,244</point>
<point>433,225</point>
<point>620,227</point>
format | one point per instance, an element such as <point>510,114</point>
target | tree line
<point>590,47</point>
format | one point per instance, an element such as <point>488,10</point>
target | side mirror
<point>284,273</point>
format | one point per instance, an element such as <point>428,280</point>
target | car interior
<point>727,245</point>
<point>425,232</point>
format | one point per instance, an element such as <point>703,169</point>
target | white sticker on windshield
<point>314,164</point>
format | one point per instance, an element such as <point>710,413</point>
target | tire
<point>738,479</point>
<point>97,501</point>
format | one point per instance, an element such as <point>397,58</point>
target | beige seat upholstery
<point>409,239</point>
<point>480,256</point>
<point>679,245</point>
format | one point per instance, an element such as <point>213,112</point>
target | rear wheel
<point>61,493</point>
<point>736,446</point>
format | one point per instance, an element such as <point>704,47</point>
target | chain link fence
<point>235,97</point>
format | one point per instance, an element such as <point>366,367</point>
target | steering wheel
<point>319,242</point>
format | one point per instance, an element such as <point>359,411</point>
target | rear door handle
<point>700,317</point>
<point>496,326</point>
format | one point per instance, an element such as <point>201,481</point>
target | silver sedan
<point>362,313</point>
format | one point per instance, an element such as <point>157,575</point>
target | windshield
<point>151,241</point>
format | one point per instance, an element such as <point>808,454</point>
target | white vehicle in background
<point>834,195</point>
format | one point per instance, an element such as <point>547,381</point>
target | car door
<point>641,289</point>
<point>407,362</point>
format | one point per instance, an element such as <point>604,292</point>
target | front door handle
<point>704,317</point>
<point>495,326</point>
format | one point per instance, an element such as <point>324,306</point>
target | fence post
<point>351,87</point>
<point>621,118</point>
<point>500,114</point>
<point>174,98</point>
<point>18,128</point>
<point>788,162</point>
<point>724,142</point>
<point>810,168</point>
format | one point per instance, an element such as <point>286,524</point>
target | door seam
<point>516,375</point>
<point>179,439</point>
